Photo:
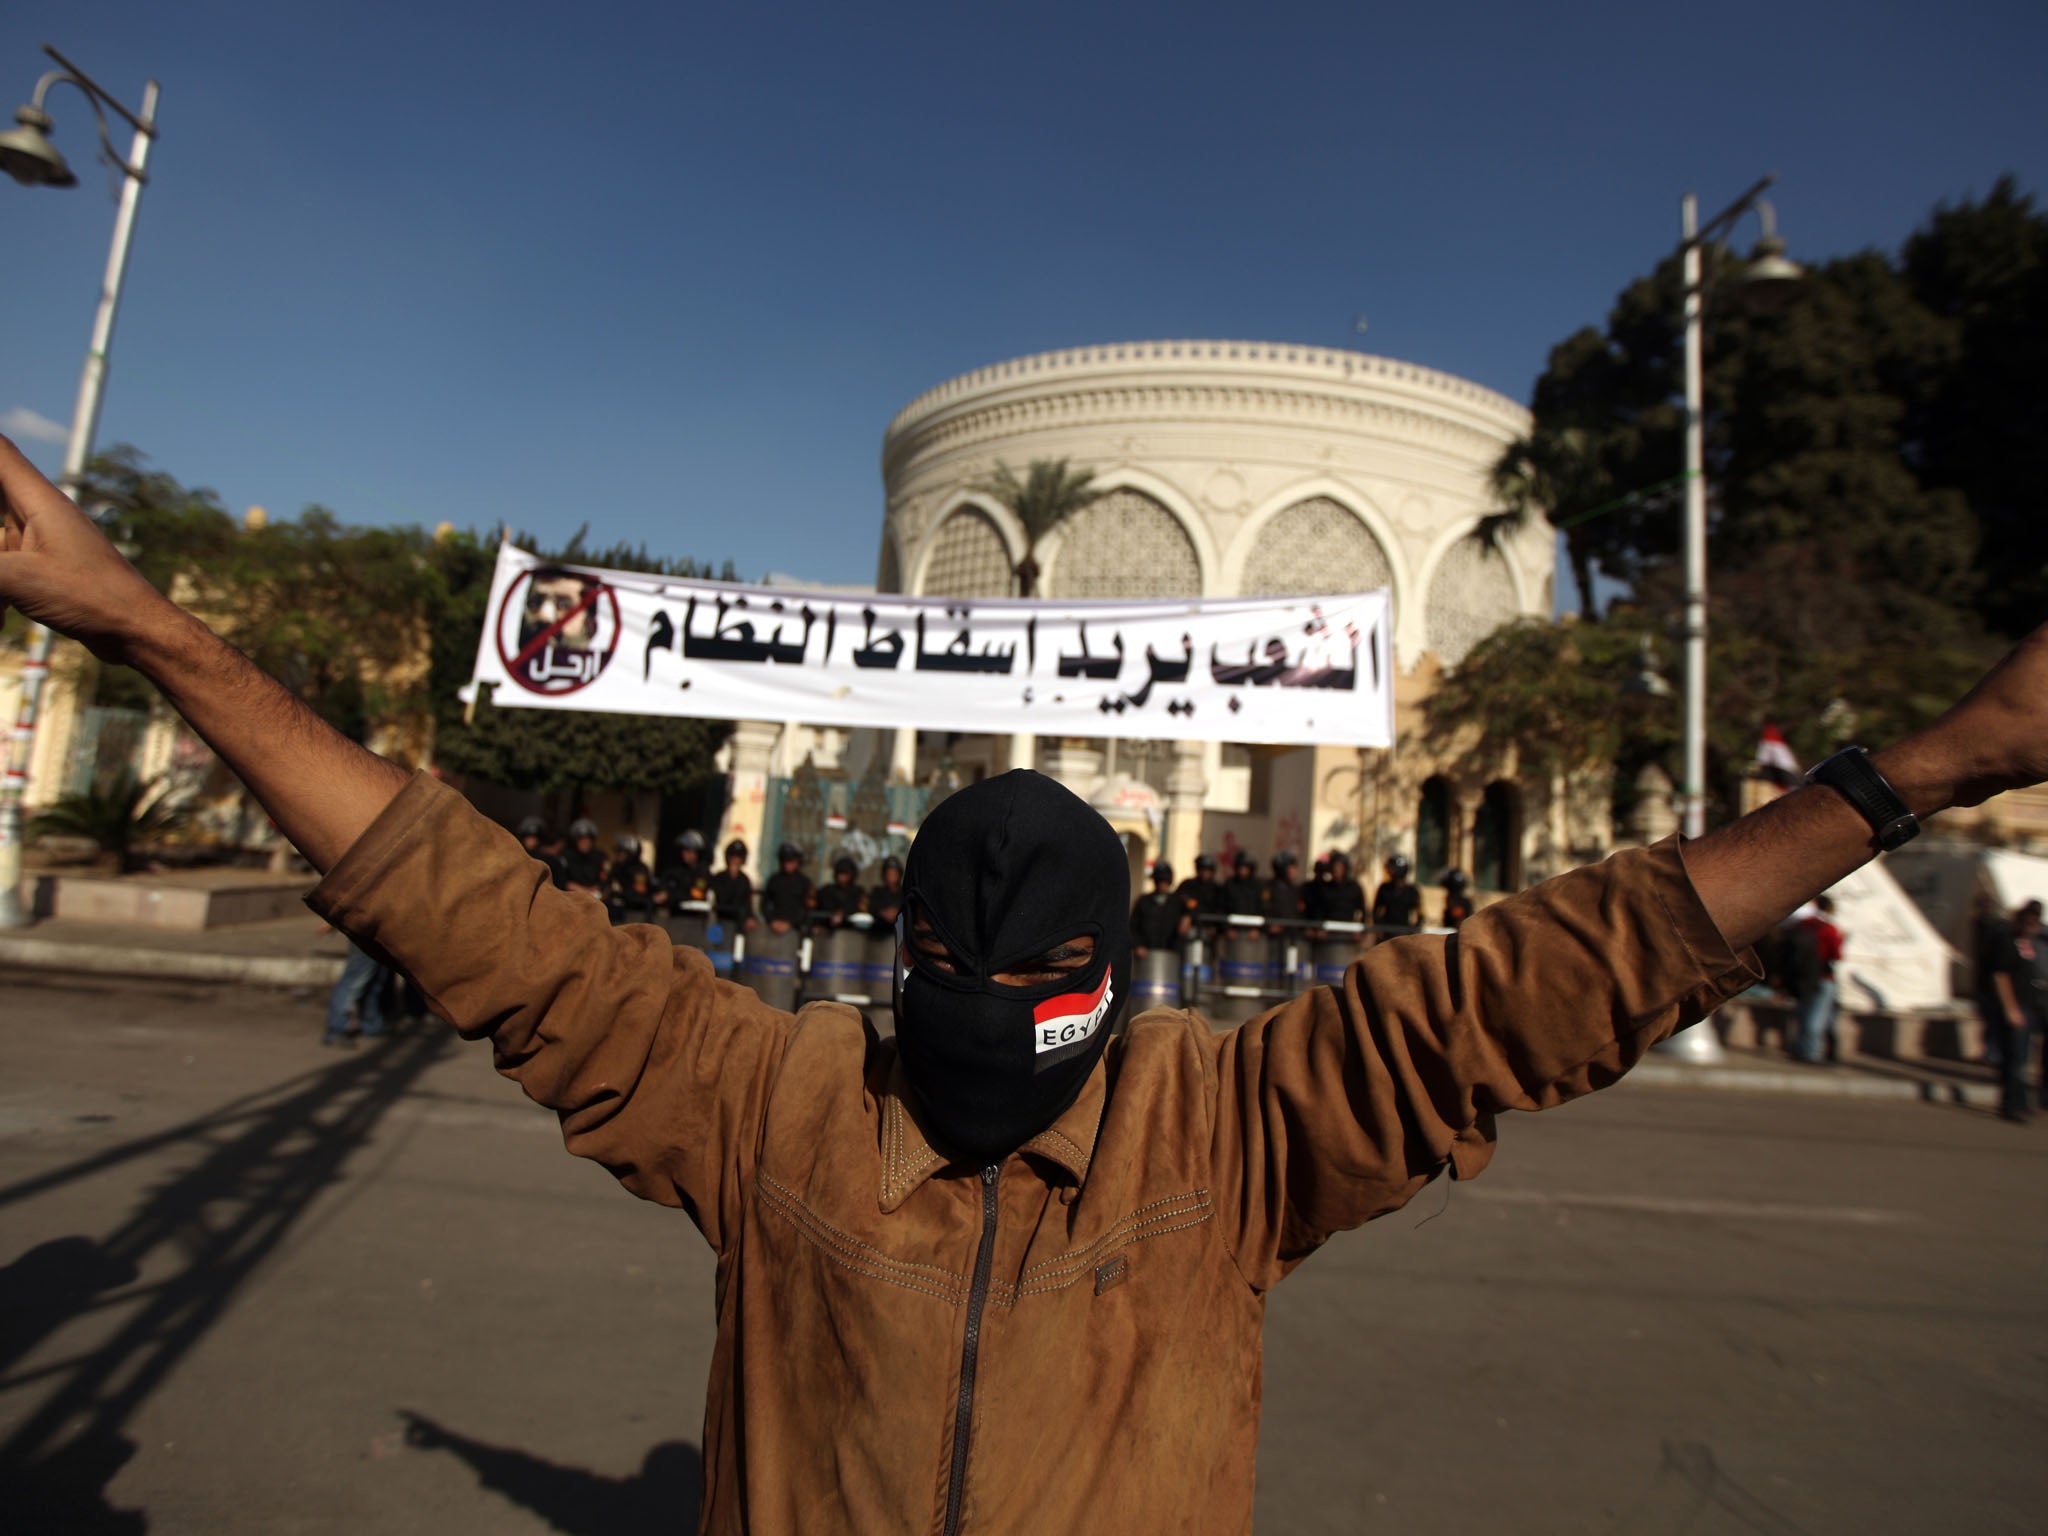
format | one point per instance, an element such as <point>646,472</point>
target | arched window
<point>1433,830</point>
<point>1471,595</point>
<point>1125,545</point>
<point>968,559</point>
<point>1316,546</point>
<point>1497,838</point>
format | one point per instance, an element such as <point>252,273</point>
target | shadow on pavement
<point>662,1497</point>
<point>162,1278</point>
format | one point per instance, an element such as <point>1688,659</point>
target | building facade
<point>1245,469</point>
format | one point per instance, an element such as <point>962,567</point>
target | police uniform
<point>786,897</point>
<point>1397,904</point>
<point>732,896</point>
<point>1155,920</point>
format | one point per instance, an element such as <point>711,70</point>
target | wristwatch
<point>1851,775</point>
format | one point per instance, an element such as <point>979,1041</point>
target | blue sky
<point>670,269</point>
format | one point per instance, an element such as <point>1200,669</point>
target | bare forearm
<point>321,789</point>
<point>1752,872</point>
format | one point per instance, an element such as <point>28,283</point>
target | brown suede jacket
<point>1070,1342</point>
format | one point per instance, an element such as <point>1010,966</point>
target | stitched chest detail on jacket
<point>901,1174</point>
<point>851,1253</point>
<point>1173,1213</point>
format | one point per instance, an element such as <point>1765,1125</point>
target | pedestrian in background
<point>1815,946</point>
<point>360,990</point>
<point>2020,976</point>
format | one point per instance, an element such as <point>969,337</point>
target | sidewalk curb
<point>1815,1082</point>
<point>180,965</point>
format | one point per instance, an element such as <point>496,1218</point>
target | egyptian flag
<point>1775,763</point>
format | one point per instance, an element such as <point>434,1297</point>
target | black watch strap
<point>1852,775</point>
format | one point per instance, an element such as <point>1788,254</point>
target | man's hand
<point>59,569</point>
<point>321,789</point>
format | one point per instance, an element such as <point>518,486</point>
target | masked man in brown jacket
<point>1004,1273</point>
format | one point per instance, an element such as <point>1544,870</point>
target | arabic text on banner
<point>1292,670</point>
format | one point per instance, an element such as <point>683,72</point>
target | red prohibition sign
<point>519,665</point>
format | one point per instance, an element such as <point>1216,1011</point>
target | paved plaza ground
<point>248,1285</point>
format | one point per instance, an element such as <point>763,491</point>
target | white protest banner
<point>1290,670</point>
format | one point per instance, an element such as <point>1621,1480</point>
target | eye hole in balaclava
<point>1004,871</point>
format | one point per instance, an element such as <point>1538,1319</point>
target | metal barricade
<point>769,966</point>
<point>1248,971</point>
<point>838,964</point>
<point>1155,980</point>
<point>878,976</point>
<point>1331,953</point>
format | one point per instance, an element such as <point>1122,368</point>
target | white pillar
<point>753,746</point>
<point>903,756</point>
<point>1023,751</point>
<point>1186,787</point>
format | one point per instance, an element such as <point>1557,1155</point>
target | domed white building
<point>1240,469</point>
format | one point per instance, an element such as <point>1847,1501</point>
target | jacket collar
<point>908,1157</point>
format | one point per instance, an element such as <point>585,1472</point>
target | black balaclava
<point>1005,870</point>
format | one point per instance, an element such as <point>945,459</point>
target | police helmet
<point>1454,880</point>
<point>533,826</point>
<point>892,862</point>
<point>1284,860</point>
<point>583,826</point>
<point>787,852</point>
<point>1205,862</point>
<point>1244,860</point>
<point>691,841</point>
<point>1323,867</point>
<point>1161,870</point>
<point>844,866</point>
<point>627,844</point>
<point>1398,866</point>
<point>736,850</point>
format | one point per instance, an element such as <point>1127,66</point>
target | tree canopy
<point>1875,465</point>
<point>378,626</point>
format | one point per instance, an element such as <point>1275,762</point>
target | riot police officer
<point>583,866</point>
<point>786,898</point>
<point>537,840</point>
<point>1344,897</point>
<point>1159,919</point>
<point>1397,904</point>
<point>629,883</point>
<point>1457,899</point>
<point>732,893</point>
<point>686,879</point>
<point>1200,895</point>
<point>1283,895</point>
<point>840,900</point>
<point>1244,894</point>
<point>886,899</point>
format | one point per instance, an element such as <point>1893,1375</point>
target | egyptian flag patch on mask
<point>1070,1019</point>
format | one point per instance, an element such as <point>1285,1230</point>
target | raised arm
<point>321,789</point>
<point>1339,1106</point>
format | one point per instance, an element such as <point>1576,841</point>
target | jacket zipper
<point>970,1349</point>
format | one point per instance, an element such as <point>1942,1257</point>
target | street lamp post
<point>1768,274</point>
<point>27,155</point>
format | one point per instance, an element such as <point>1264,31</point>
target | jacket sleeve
<point>1338,1106</point>
<point>657,1070</point>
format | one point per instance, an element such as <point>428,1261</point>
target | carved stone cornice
<point>1244,383</point>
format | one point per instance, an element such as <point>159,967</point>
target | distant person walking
<point>361,991</point>
<point>2020,977</point>
<point>1816,944</point>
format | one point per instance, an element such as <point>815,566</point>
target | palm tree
<point>1550,472</point>
<point>1047,496</point>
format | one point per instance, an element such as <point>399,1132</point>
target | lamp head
<point>27,154</point>
<point>1771,280</point>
